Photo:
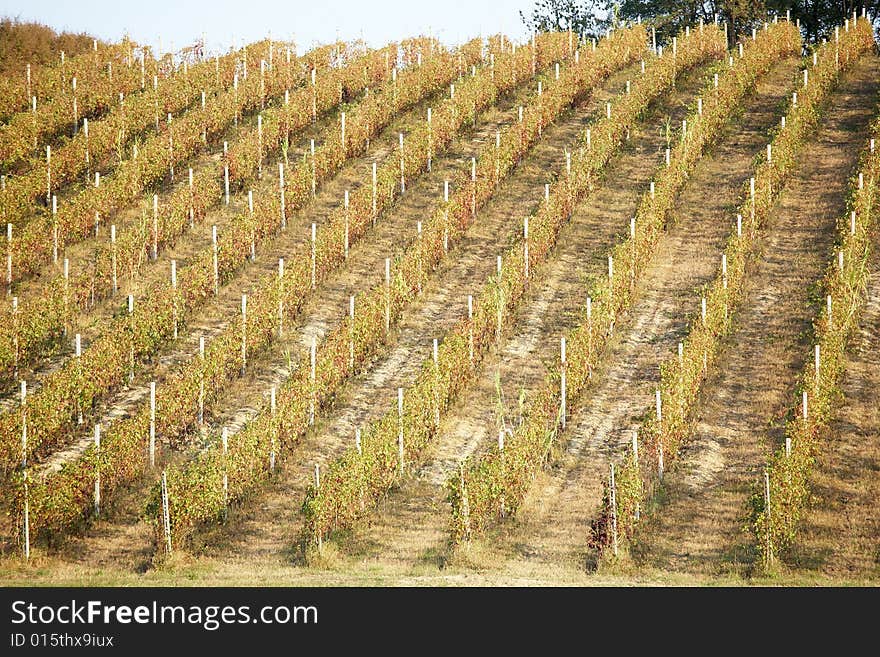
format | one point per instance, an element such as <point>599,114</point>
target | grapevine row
<point>83,381</point>
<point>43,239</point>
<point>94,93</point>
<point>98,142</point>
<point>346,348</point>
<point>46,81</point>
<point>28,331</point>
<point>844,286</point>
<point>361,476</point>
<point>177,404</point>
<point>682,376</point>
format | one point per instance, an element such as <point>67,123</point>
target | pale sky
<point>180,22</point>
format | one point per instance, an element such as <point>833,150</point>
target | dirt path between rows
<point>840,536</point>
<point>701,526</point>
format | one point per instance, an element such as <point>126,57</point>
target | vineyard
<point>559,311</point>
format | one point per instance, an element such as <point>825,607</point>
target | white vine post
<point>430,140</point>
<point>202,380</point>
<point>166,516</point>
<point>312,376</point>
<point>113,258</point>
<point>226,181</point>
<point>174,295</point>
<point>470,306</point>
<point>526,246</point>
<point>400,431</point>
<point>152,424</point>
<point>98,470</point>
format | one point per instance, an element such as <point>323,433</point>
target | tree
<point>580,16</point>
<point>817,17</point>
